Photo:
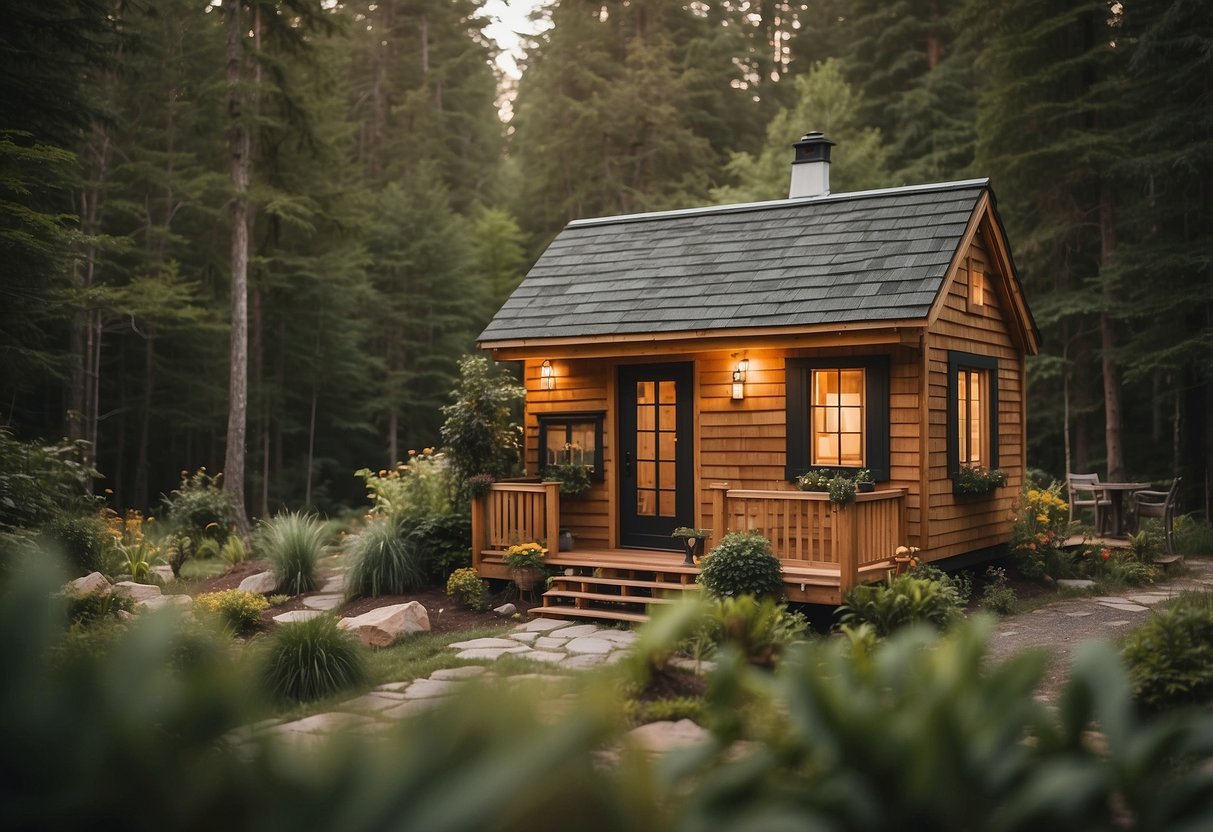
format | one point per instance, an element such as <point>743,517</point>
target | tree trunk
<point>240,163</point>
<point>1111,384</point>
<point>145,420</point>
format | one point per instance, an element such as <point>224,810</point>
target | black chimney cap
<point>812,147</point>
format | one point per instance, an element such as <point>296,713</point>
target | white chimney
<point>811,167</point>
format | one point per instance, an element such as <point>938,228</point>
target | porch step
<point>595,614</point>
<point>606,597</point>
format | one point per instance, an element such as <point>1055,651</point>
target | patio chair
<point>1084,492</point>
<point>1160,504</point>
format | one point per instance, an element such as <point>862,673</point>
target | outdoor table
<point>1116,492</point>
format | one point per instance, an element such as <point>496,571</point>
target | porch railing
<point>515,512</point>
<point>807,530</point>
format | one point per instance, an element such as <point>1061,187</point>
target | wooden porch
<point>824,549</point>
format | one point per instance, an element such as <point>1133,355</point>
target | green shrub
<point>467,588</point>
<point>642,712</point>
<point>479,433</point>
<point>899,602</point>
<point>384,560</point>
<point>742,564</point>
<point>444,544</point>
<point>1123,567</point>
<point>312,659</point>
<point>961,581</point>
<point>1170,657</point>
<point>997,596</point>
<point>413,490</point>
<point>293,543</point>
<point>1192,537</point>
<point>88,608</point>
<point>761,630</point>
<point>38,483</point>
<point>238,609</point>
<point>207,548</point>
<point>277,600</point>
<point>200,507</point>
<point>82,539</point>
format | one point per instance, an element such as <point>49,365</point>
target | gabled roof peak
<point>778,203</point>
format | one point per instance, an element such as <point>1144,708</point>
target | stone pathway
<point>562,645</point>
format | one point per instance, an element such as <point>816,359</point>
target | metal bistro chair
<point>1084,492</point>
<point>1160,504</point>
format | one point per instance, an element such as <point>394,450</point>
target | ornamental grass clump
<point>312,659</point>
<point>384,560</point>
<point>742,564</point>
<point>293,543</point>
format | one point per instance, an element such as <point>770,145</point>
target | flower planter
<point>526,578</point>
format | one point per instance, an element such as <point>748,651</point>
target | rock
<point>459,672</point>
<point>541,625</point>
<point>546,656</point>
<point>1075,583</point>
<point>262,583</point>
<point>492,653</point>
<point>525,638</point>
<point>322,723</point>
<point>123,615</point>
<point>506,610</point>
<point>387,625</point>
<point>295,616</point>
<point>324,601</point>
<point>159,602</point>
<point>661,737</point>
<point>92,582</point>
<point>137,592</point>
<point>429,688</point>
<point>586,644</point>
<point>549,643</point>
<point>482,643</point>
<point>163,573</point>
<point>578,630</point>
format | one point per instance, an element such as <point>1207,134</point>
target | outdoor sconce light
<point>547,376</point>
<point>739,373</point>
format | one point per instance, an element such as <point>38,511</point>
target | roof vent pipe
<point>811,167</point>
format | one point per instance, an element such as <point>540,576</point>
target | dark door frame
<point>653,532</point>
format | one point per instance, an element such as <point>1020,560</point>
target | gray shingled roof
<point>845,258</point>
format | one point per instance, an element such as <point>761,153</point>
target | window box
<point>567,439</point>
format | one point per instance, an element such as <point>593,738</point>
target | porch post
<point>552,514</point>
<point>848,552</point>
<point>479,532</point>
<point>720,519</point>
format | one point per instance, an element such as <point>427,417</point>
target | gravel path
<point>1061,626</point>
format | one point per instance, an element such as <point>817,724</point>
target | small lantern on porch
<point>739,374</point>
<point>547,375</point>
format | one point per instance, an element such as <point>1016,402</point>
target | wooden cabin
<point>701,360</point>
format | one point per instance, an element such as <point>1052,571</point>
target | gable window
<point>972,411</point>
<point>838,415</point>
<point>571,437</point>
<point>977,286</point>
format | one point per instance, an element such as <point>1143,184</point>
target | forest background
<point>390,209</point>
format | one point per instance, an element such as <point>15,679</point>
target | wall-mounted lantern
<point>547,376</point>
<point>739,374</point>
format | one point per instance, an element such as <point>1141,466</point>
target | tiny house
<point>699,361</point>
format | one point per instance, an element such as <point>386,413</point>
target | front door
<point>656,420</point>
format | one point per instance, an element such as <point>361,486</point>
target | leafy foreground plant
<point>384,560</point>
<point>1170,657</point>
<point>312,659</point>
<point>899,602</point>
<point>237,608</point>
<point>921,732</point>
<point>293,542</point>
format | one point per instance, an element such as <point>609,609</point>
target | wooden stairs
<point>615,585</point>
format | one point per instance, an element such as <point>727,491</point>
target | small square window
<point>571,438</point>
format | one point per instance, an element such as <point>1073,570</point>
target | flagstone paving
<point>565,647</point>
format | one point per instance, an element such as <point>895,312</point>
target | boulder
<point>92,582</point>
<point>262,583</point>
<point>506,609</point>
<point>137,592</point>
<point>164,573</point>
<point>387,625</point>
<point>159,602</point>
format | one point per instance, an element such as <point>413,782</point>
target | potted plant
<point>864,481</point>
<point>574,477</point>
<point>526,562</point>
<point>566,540</point>
<point>693,541</point>
<point>978,479</point>
<point>906,558</point>
<point>840,487</point>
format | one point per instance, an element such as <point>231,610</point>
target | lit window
<point>972,412</point>
<point>571,438</point>
<point>970,435</point>
<point>838,417</point>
